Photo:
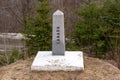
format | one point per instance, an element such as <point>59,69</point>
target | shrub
<point>98,28</point>
<point>38,29</point>
<point>10,57</point>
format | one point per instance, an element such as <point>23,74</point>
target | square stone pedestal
<point>71,61</point>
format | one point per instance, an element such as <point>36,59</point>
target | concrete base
<point>71,61</point>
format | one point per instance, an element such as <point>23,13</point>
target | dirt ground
<point>95,69</point>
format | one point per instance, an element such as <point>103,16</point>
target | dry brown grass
<point>95,69</point>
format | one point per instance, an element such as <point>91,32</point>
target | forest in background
<point>13,11</point>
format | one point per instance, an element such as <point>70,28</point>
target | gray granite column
<point>58,36</point>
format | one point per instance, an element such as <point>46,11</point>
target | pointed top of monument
<point>58,12</point>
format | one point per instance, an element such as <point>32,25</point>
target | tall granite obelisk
<point>58,59</point>
<point>58,36</point>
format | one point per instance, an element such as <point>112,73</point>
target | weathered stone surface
<point>71,61</point>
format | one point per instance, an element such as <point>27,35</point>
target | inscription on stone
<point>58,36</point>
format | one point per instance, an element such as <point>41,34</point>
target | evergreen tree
<point>37,30</point>
<point>98,28</point>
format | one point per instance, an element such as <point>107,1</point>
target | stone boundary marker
<point>58,59</point>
